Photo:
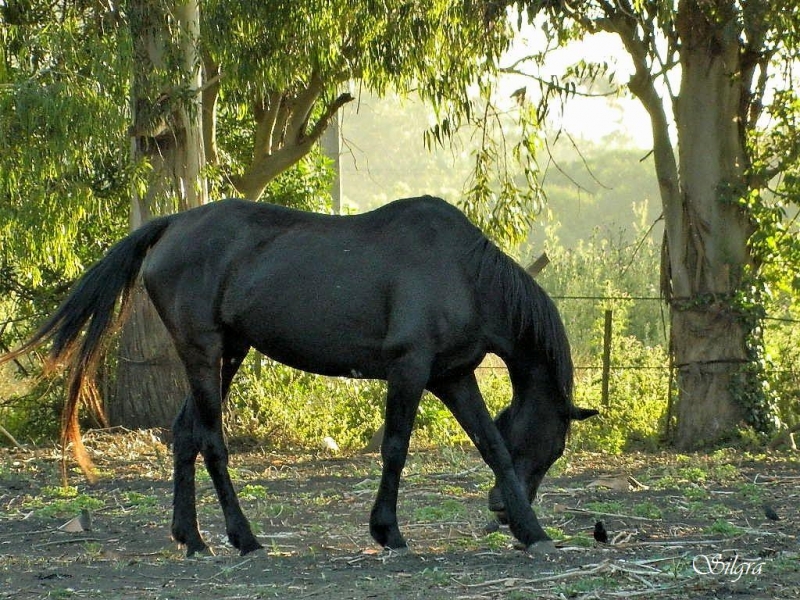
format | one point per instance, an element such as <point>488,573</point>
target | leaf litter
<point>709,538</point>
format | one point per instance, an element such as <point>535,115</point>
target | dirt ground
<point>678,527</point>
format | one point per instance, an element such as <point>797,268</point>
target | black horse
<point>411,293</point>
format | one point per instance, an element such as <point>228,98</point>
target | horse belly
<point>317,335</point>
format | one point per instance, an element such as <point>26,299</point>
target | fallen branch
<point>638,571</point>
<point>70,541</point>
<point>510,581</point>
<point>584,511</point>
<point>649,591</point>
<point>775,478</point>
<point>6,433</point>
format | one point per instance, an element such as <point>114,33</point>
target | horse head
<point>535,427</point>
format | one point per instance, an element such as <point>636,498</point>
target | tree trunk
<point>167,133</point>
<point>706,232</point>
<point>150,379</point>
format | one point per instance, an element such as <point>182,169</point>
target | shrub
<point>291,408</point>
<point>636,410</point>
<point>783,348</point>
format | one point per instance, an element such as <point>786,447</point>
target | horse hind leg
<point>201,429</point>
<point>185,448</point>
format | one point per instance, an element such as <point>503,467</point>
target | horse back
<point>323,293</point>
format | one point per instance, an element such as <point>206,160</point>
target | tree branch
<point>209,95</point>
<point>301,109</point>
<point>323,122</point>
<point>556,87</point>
<point>265,111</point>
<point>265,167</point>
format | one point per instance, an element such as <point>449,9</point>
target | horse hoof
<point>491,527</point>
<point>544,548</point>
<point>199,552</point>
<point>395,552</point>
<point>250,548</point>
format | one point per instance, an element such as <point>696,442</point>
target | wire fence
<point>609,363</point>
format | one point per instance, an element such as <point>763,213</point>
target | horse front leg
<point>463,398</point>
<point>405,389</point>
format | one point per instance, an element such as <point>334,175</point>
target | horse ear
<point>576,413</point>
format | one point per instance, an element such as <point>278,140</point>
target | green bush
<point>638,386</point>
<point>291,408</point>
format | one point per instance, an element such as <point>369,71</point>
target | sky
<point>594,119</point>
<point>590,118</point>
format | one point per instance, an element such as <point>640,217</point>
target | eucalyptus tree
<point>167,138</point>
<point>717,78</point>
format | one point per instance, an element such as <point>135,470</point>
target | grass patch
<point>447,510</point>
<point>139,500</point>
<point>253,492</point>
<point>648,510</point>
<point>724,528</point>
<point>751,492</point>
<point>696,493</point>
<point>60,506</point>
<point>610,507</point>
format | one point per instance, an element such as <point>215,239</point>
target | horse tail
<point>90,309</point>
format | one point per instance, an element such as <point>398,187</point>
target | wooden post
<point>606,357</point>
<point>536,266</point>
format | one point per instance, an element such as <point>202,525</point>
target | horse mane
<point>532,317</point>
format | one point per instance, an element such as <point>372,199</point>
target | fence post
<point>606,357</point>
<point>536,266</point>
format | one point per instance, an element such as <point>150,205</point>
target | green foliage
<point>611,267</point>
<point>724,528</point>
<point>782,341</point>
<point>446,510</point>
<point>63,173</point>
<point>33,413</point>
<point>770,304</point>
<point>275,45</point>
<point>635,415</point>
<point>504,197</point>
<point>60,502</point>
<point>290,408</point>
